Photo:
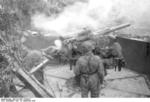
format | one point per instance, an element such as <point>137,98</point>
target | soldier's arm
<point>101,70</point>
<point>77,68</point>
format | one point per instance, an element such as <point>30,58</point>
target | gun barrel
<point>103,32</point>
<point>109,30</point>
<point>119,27</point>
<point>116,28</point>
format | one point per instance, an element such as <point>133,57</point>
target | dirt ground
<point>126,83</point>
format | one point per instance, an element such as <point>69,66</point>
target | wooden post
<point>39,66</point>
<point>34,83</point>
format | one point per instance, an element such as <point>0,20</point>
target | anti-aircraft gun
<point>84,35</point>
<point>99,39</point>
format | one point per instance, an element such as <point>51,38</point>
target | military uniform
<point>91,71</point>
<point>118,56</point>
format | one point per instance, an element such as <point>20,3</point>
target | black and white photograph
<point>74,49</point>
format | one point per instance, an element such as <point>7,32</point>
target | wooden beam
<point>42,92</point>
<point>42,86</point>
<point>39,66</point>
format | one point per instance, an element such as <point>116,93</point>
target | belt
<point>89,73</point>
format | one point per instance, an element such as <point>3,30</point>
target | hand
<point>102,86</point>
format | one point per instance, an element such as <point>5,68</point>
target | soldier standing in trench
<point>117,53</point>
<point>91,71</point>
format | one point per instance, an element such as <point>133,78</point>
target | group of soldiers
<point>90,69</point>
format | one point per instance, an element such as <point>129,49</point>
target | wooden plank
<point>42,86</point>
<point>39,66</point>
<point>34,83</point>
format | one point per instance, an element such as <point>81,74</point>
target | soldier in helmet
<point>91,71</point>
<point>119,61</point>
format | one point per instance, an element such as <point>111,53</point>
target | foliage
<point>15,17</point>
<point>57,6</point>
<point>10,47</point>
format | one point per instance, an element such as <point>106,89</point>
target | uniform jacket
<point>89,64</point>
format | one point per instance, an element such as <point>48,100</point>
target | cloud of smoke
<point>96,14</point>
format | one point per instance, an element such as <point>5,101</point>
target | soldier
<point>31,60</point>
<point>117,53</point>
<point>91,71</point>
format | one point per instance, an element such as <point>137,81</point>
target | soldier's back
<point>89,63</point>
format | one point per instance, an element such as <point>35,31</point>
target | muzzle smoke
<point>96,14</point>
